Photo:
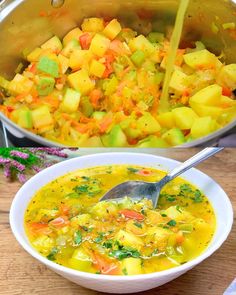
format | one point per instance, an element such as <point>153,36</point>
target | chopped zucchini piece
<point>41,117</point>
<point>70,101</point>
<point>48,66</point>
<point>45,85</point>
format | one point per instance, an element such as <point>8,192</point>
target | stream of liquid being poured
<point>171,56</point>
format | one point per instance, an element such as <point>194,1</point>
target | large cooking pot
<point>23,26</point>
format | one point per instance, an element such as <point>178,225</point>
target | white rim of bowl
<point>208,252</point>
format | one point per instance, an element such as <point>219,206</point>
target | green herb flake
<point>124,252</point>
<point>170,199</point>
<point>164,215</point>
<point>51,255</point>
<point>178,208</point>
<point>79,189</point>
<point>132,170</point>
<point>172,222</point>
<point>138,224</point>
<point>85,178</point>
<point>78,238</point>
<point>107,244</point>
<point>124,271</point>
<point>99,238</point>
<point>197,197</point>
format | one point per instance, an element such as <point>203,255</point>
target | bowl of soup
<point>106,80</point>
<point>126,246</point>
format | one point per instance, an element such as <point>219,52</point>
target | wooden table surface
<point>20,274</point>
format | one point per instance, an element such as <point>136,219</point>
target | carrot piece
<point>39,228</point>
<point>64,209</point>
<point>104,265</point>
<point>144,172</point>
<point>179,237</point>
<point>85,40</point>
<point>131,214</point>
<point>226,91</point>
<point>32,68</point>
<point>105,123</point>
<point>59,221</point>
<point>95,96</point>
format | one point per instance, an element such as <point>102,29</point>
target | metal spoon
<point>151,190</point>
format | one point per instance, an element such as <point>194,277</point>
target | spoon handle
<point>194,161</point>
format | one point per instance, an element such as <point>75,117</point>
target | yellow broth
<point>66,223</point>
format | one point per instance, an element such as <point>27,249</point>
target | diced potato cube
<point>70,101</point>
<point>202,58</point>
<point>70,48</point>
<point>54,44</point>
<point>184,117</point>
<point>129,239</point>
<point>63,63</point>
<point>81,82</point>
<point>112,29</point>
<point>99,45</point>
<point>148,124</point>
<point>80,260</point>
<point>81,220</point>
<point>44,244</point>
<point>166,120</point>
<point>97,69</point>
<point>159,236</point>
<point>93,24</point>
<point>179,81</point>
<point>132,266</point>
<point>178,215</point>
<point>104,209</point>
<point>41,117</point>
<point>227,76</point>
<point>205,111</point>
<point>34,55</point>
<point>73,34</point>
<point>80,58</point>
<point>202,127</point>
<point>141,43</point>
<point>210,95</point>
<point>20,84</point>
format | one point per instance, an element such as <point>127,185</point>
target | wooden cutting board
<point>20,274</point>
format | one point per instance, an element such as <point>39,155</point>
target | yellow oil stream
<point>171,56</point>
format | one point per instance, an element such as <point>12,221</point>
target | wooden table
<point>20,274</point>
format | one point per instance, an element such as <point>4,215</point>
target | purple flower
<point>7,171</point>
<point>4,161</point>
<point>19,154</point>
<point>21,177</point>
<point>17,165</point>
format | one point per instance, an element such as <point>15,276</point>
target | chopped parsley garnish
<point>178,208</point>
<point>51,255</point>
<point>79,189</point>
<point>197,197</point>
<point>138,224</point>
<point>85,178</point>
<point>107,244</point>
<point>78,238</point>
<point>124,252</point>
<point>186,188</point>
<point>132,170</point>
<point>99,238</point>
<point>124,270</point>
<point>171,222</point>
<point>163,215</point>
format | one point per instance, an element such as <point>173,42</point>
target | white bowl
<point>122,284</point>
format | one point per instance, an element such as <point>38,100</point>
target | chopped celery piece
<point>48,66</point>
<point>138,57</point>
<point>155,37</point>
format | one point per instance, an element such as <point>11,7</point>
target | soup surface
<point>102,85</point>
<point>65,223</point>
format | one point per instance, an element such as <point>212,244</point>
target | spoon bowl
<point>151,190</point>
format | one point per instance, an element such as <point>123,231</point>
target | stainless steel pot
<point>24,24</point>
